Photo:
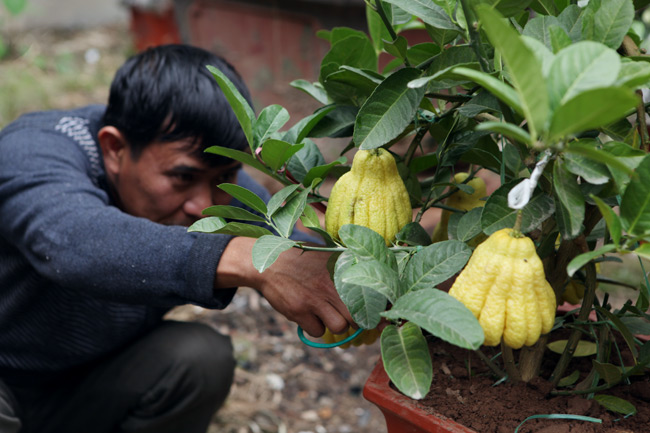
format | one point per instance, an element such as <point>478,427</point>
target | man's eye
<point>183,177</point>
<point>226,177</point>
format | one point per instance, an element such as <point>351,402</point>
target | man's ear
<point>114,148</point>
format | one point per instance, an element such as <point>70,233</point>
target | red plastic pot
<point>401,413</point>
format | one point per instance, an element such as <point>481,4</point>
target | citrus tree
<point>545,94</point>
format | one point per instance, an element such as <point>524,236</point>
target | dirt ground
<point>281,385</point>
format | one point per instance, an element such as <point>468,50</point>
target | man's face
<point>168,185</point>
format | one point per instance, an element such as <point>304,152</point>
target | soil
<point>477,401</point>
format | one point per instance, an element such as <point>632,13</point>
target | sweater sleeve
<point>66,229</point>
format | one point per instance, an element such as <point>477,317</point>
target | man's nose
<point>200,198</point>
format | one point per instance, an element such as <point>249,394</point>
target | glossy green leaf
<point>304,160</point>
<point>509,130</point>
<point>238,155</point>
<point>538,28</point>
<point>315,90</point>
<point>635,205</point>
<point>569,201</point>
<point>584,348</point>
<point>591,171</point>
<point>376,276</point>
<point>209,225</point>
<point>469,225</point>
<point>427,11</point>
<point>413,234</point>
<point>267,249</point>
<point>612,21</point>
<point>270,120</point>
<point>238,103</point>
<point>232,212</point>
<point>321,171</point>
<point>620,327</point>
<point>303,127</point>
<point>525,71</point>
<point>611,219</point>
<point>615,404</point>
<point>366,244</point>
<point>388,111</point>
<point>643,251</point>
<point>582,66</point>
<point>609,373</point>
<point>365,305</point>
<point>355,50</point>
<point>277,200</point>
<point>498,88</point>
<point>586,110</point>
<point>559,38</point>
<point>634,75</point>
<point>276,152</point>
<point>571,20</point>
<point>581,260</point>
<point>286,217</point>
<point>497,215</point>
<point>435,264</point>
<point>405,354</point>
<point>245,196</point>
<point>440,314</point>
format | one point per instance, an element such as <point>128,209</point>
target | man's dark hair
<point>166,93</point>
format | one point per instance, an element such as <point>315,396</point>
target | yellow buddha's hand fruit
<point>462,201</point>
<point>575,290</point>
<point>504,285</point>
<point>371,194</point>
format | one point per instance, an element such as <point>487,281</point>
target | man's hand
<point>297,285</point>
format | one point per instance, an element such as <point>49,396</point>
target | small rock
<point>275,382</point>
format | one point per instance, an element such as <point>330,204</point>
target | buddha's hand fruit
<point>371,194</point>
<point>504,286</point>
<point>462,201</point>
<point>368,336</point>
<point>575,290</point>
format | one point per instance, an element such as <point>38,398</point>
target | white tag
<point>520,195</point>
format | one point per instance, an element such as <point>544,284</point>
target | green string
<point>310,343</point>
<point>561,416</point>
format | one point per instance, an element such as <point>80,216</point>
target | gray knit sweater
<point>78,277</point>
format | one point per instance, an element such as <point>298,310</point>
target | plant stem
<point>509,363</point>
<point>530,359</point>
<point>491,365</point>
<point>474,38</point>
<point>574,338</point>
<point>415,143</point>
<point>446,97</point>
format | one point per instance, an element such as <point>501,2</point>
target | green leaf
<point>569,380</point>
<point>238,103</point>
<point>586,110</point>
<point>482,102</point>
<point>571,20</point>
<point>643,251</point>
<point>350,85</point>
<point>582,66</point>
<point>569,201</point>
<point>635,205</point>
<point>427,11</point>
<point>581,260</point>
<point>238,155</point>
<point>608,155</point>
<point>591,171</point>
<point>559,38</point>
<point>435,264</point>
<point>634,75</point>
<point>364,304</point>
<point>615,404</point>
<point>366,244</point>
<point>278,199</point>
<point>538,28</point>
<point>376,28</point>
<point>620,326</point>
<point>15,7</point>
<point>304,160</point>
<point>376,276</point>
<point>498,88</point>
<point>508,8</point>
<point>525,70</point>
<point>276,152</point>
<point>354,50</point>
<point>611,219</point>
<point>397,47</point>
<point>440,314</point>
<point>286,217</point>
<point>509,130</point>
<point>337,123</point>
<point>584,348</point>
<point>637,325</point>
<point>300,130</point>
<point>388,111</point>
<point>270,120</point>
<point>232,212</point>
<point>315,90</point>
<point>321,171</point>
<point>469,225</point>
<point>245,196</point>
<point>612,21</point>
<point>406,359</point>
<point>212,225</point>
<point>267,249</point>
<point>610,373</point>
<point>497,215</point>
<point>413,234</point>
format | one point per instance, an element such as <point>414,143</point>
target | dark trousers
<point>173,379</point>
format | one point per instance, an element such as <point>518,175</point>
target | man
<point>94,249</point>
